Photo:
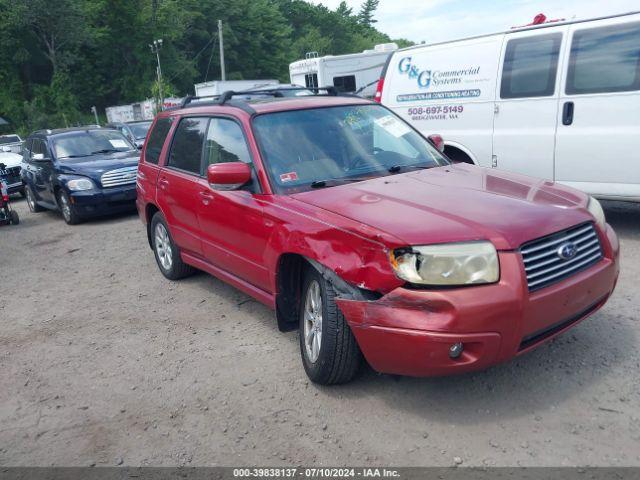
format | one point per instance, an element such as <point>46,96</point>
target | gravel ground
<point>103,361</point>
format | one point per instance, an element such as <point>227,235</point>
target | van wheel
<point>31,200</point>
<point>69,213</point>
<point>330,353</point>
<point>166,251</point>
<point>457,156</point>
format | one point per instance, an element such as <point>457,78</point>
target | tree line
<point>59,58</point>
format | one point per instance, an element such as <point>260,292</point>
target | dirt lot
<point>103,361</point>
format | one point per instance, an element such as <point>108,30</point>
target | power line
<point>213,49</point>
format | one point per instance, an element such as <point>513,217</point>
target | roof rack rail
<point>228,96</point>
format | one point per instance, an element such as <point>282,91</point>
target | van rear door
<point>526,106</point>
<point>598,141</point>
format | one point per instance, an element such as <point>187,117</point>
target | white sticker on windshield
<point>117,143</point>
<point>392,125</point>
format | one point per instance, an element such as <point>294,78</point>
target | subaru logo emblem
<point>567,251</point>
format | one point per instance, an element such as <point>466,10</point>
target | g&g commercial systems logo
<point>423,77</point>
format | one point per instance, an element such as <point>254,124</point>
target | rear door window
<point>311,80</point>
<point>186,149</point>
<point>225,142</point>
<point>604,60</point>
<point>156,140</point>
<point>530,66</point>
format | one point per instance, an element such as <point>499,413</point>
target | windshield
<point>322,147</point>
<point>89,142</point>
<point>139,130</point>
<point>9,139</point>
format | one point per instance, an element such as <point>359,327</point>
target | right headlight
<point>595,209</point>
<point>447,264</point>
<point>79,184</point>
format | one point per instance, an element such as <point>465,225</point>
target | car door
<point>599,120</point>
<point>43,170</point>
<point>178,182</point>
<point>526,105</point>
<point>234,233</point>
<point>148,168</point>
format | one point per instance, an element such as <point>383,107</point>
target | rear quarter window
<point>156,140</point>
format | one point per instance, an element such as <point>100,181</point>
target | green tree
<point>367,11</point>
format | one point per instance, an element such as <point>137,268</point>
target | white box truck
<point>559,101</point>
<point>355,72</point>
<point>218,87</point>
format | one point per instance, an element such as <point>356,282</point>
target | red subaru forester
<point>356,230</point>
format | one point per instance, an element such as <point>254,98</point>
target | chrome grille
<point>119,177</point>
<point>542,258</point>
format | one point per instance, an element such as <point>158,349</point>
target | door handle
<point>567,113</point>
<point>163,183</point>
<point>206,197</point>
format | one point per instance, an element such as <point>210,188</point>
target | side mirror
<point>437,141</point>
<point>228,176</point>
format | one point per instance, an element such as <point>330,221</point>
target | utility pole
<point>94,110</point>
<point>224,74</point>
<point>155,48</point>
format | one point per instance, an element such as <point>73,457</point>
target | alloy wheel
<point>163,246</point>
<point>65,207</point>
<point>313,321</point>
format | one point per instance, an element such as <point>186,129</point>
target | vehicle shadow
<point>624,217</point>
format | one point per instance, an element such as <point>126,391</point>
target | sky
<point>441,20</point>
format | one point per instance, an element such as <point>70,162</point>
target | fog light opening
<point>456,350</point>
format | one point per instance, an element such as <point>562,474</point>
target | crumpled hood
<point>456,203</point>
<point>94,166</point>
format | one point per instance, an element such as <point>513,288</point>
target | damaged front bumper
<point>411,331</point>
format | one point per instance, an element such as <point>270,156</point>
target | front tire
<point>166,251</point>
<point>31,200</point>
<point>15,218</point>
<point>330,353</point>
<point>67,208</point>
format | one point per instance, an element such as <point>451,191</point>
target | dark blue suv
<point>82,172</point>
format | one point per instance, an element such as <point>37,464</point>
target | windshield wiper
<point>73,156</point>
<point>106,150</point>
<point>320,183</point>
<point>397,168</point>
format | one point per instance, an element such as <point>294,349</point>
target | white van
<point>351,73</point>
<point>560,101</point>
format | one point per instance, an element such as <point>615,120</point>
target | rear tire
<point>336,357</point>
<point>15,218</point>
<point>166,251</point>
<point>31,200</point>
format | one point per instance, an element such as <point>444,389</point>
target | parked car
<point>354,228</point>
<point>10,172</point>
<point>11,143</point>
<point>83,172</point>
<point>136,132</point>
<point>536,100</point>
